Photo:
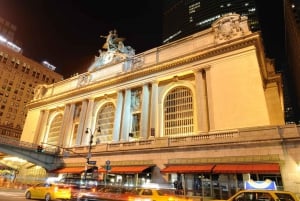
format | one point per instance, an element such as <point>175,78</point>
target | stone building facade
<point>206,110</point>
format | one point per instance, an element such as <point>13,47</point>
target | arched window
<point>54,131</point>
<point>105,120</point>
<point>178,112</point>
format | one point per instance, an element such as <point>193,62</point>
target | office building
<point>292,35</point>
<point>19,77</point>
<point>192,16</point>
<point>7,29</point>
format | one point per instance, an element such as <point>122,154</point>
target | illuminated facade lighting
<point>48,65</point>
<point>9,44</point>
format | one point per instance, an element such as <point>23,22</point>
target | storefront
<point>219,181</point>
<point>127,175</point>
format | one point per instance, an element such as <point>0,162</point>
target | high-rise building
<point>292,36</point>
<point>19,77</point>
<point>7,29</point>
<point>192,16</point>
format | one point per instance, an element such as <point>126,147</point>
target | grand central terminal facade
<point>206,111</point>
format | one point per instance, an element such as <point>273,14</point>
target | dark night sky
<point>66,33</point>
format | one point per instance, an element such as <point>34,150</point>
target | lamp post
<point>90,148</point>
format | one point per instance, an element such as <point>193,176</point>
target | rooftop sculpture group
<point>114,50</point>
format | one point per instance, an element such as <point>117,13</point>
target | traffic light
<point>39,148</point>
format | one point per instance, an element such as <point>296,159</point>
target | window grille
<point>54,131</point>
<point>178,112</point>
<point>105,120</point>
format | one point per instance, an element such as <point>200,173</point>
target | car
<point>48,192</point>
<point>116,193</point>
<point>263,195</point>
<point>158,194</point>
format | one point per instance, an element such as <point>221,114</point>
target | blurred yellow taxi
<point>147,194</point>
<point>263,195</point>
<point>48,192</point>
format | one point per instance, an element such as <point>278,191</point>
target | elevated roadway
<point>49,158</point>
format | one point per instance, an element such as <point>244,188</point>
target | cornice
<point>222,48</point>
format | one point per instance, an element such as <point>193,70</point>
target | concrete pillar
<point>65,124</point>
<point>145,112</point>
<point>201,101</point>
<point>81,125</point>
<point>154,111</point>
<point>118,115</point>
<point>68,126</point>
<point>126,118</point>
<point>89,115</point>
<point>40,132</point>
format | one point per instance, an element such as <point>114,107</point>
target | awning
<point>247,168</point>
<point>187,168</point>
<point>126,169</point>
<point>70,170</point>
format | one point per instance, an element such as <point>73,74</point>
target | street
<point>11,195</point>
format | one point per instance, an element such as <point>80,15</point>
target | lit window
<point>105,120</point>
<point>178,112</point>
<point>54,131</point>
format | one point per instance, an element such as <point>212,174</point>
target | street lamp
<point>98,130</point>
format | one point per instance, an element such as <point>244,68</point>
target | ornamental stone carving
<point>114,50</point>
<point>40,91</point>
<point>83,80</point>
<point>230,26</point>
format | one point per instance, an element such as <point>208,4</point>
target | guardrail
<point>9,141</point>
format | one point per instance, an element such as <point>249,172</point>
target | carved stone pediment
<point>230,26</point>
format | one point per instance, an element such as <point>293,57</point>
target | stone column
<point>154,129</point>
<point>65,139</point>
<point>82,126</point>
<point>40,132</point>
<point>126,116</point>
<point>145,112</point>
<point>118,115</point>
<point>201,101</point>
<point>64,125</point>
<point>69,125</point>
<point>89,115</point>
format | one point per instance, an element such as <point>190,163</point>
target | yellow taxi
<point>48,192</point>
<point>148,194</point>
<point>263,195</point>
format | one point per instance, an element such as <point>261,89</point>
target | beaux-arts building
<point>206,110</point>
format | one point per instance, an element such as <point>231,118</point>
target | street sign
<point>92,162</point>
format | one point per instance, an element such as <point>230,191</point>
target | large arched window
<point>178,112</point>
<point>53,136</point>
<point>105,120</point>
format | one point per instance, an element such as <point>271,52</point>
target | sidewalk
<point>13,186</point>
<point>11,189</point>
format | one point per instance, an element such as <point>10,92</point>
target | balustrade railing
<point>287,132</point>
<point>5,140</point>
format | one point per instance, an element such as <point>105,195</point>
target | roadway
<point>12,195</point>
